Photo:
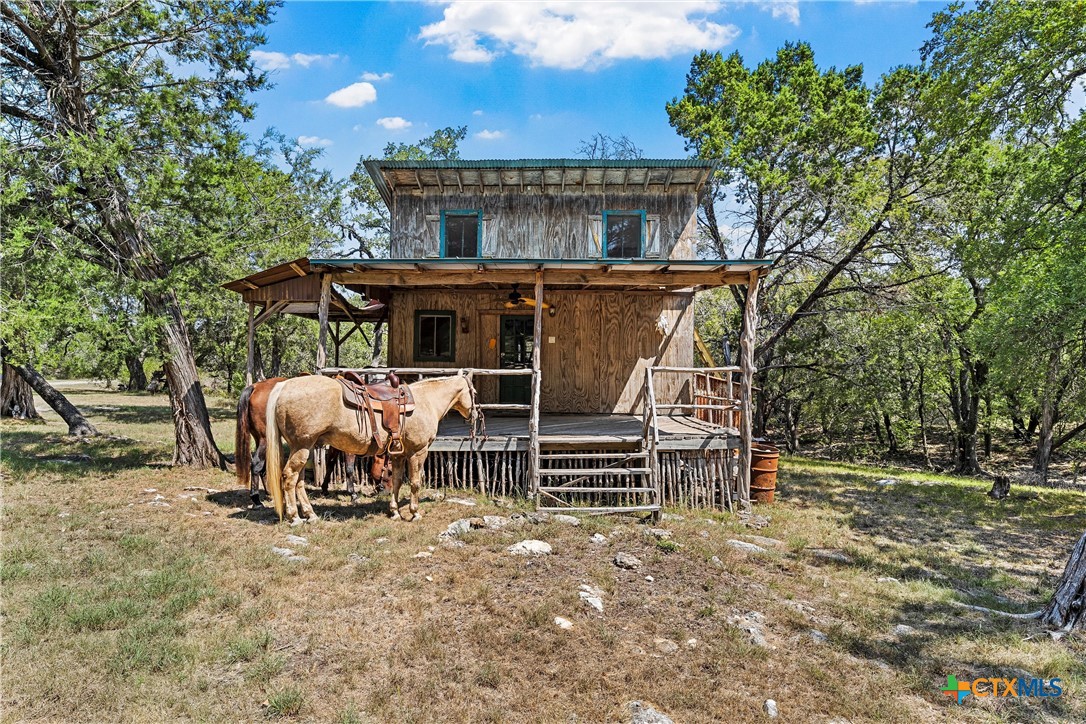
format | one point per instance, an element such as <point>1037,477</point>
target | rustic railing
<point>374,373</point>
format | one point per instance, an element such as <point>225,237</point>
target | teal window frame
<point>451,315</point>
<point>640,237</point>
<point>478,213</point>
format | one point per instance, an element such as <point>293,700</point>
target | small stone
<point>770,708</point>
<point>297,559</point>
<point>885,482</point>
<point>888,579</point>
<point>355,559</point>
<point>565,519</point>
<point>598,539</point>
<point>664,646</point>
<point>830,556</point>
<point>904,630</point>
<point>431,495</point>
<point>452,543</point>
<point>423,554</point>
<point>627,561</point>
<point>818,637</point>
<point>716,562</point>
<point>530,548</point>
<point>284,552</point>
<point>150,490</point>
<point>645,714</point>
<point>297,540</point>
<point>752,520</point>
<point>494,522</point>
<point>457,527</point>
<point>430,579</point>
<point>538,517</point>
<point>563,623</point>
<point>159,497</point>
<point>297,522</point>
<point>431,548</point>
<point>381,541</point>
<point>63,515</point>
<point>764,542</point>
<point>671,516</point>
<point>742,545</point>
<point>659,533</point>
<point>691,643</point>
<point>650,579</point>
<point>592,596</point>
<point>703,533</point>
<point>461,501</point>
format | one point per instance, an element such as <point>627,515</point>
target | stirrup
<point>395,447</point>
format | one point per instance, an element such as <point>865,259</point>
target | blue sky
<point>531,79</point>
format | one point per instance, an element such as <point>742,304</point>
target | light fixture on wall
<point>552,311</point>
<point>463,325</point>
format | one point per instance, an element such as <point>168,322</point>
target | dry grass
<point>116,607</point>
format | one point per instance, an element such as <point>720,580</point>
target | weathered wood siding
<point>602,343</point>
<point>552,225</point>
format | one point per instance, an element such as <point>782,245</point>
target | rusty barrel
<point>763,471</point>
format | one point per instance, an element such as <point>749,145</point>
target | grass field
<point>132,592</point>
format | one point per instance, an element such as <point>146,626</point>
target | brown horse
<point>306,412</point>
<point>252,413</point>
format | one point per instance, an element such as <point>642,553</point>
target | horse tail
<point>273,466</point>
<point>243,440</point>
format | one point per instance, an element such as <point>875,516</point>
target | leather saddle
<point>393,401</point>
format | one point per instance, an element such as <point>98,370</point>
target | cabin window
<point>460,232</point>
<point>435,338</point>
<point>623,234</point>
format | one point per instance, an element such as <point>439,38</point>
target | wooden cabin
<point>566,288</point>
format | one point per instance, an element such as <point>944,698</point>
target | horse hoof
<point>296,521</point>
<point>355,498</point>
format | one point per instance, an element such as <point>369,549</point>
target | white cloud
<point>787,9</point>
<point>394,123</point>
<point>273,60</point>
<point>375,77</point>
<point>355,95</point>
<point>571,34</point>
<point>477,113</point>
<point>313,141</point>
<point>486,135</point>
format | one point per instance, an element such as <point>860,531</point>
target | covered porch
<point>646,429</point>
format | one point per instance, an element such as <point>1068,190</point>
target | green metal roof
<point>501,163</point>
<point>377,167</point>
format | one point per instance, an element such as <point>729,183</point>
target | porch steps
<point>621,482</point>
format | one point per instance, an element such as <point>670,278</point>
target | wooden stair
<point>615,481</point>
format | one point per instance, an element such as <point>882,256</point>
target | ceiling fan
<point>517,300</point>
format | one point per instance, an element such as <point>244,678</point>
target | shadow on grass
<point>323,506</point>
<point>38,451</point>
<point>149,414</point>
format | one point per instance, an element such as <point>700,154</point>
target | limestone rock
<point>644,714</point>
<point>742,545</point>
<point>598,539</point>
<point>591,596</point>
<point>282,552</point>
<point>770,708</point>
<point>297,540</point>
<point>530,548</point>
<point>665,646</point>
<point>563,623</point>
<point>627,561</point>
<point>659,533</point>
<point>565,519</point>
<point>761,540</point>
<point>829,555</point>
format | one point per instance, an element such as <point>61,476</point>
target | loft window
<point>460,232</point>
<point>435,339</point>
<point>624,234</point>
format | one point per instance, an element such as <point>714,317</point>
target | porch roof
<point>663,274</point>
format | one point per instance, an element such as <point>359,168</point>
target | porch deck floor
<point>677,432</point>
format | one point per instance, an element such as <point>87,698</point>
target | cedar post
<point>338,341</point>
<point>533,420</point>
<point>250,361</point>
<point>746,382</point>
<point>322,318</point>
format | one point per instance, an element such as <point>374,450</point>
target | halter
<point>477,419</point>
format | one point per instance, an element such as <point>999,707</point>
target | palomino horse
<point>252,419</point>
<point>306,412</point>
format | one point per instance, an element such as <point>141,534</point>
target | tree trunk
<point>194,443</point>
<point>920,414</point>
<point>77,424</point>
<point>137,378</point>
<point>16,396</point>
<point>1067,609</point>
<point>1049,417</point>
<point>891,436</point>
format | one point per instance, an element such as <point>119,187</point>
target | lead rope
<point>477,418</point>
